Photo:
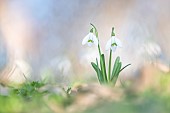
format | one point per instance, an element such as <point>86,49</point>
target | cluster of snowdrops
<point>100,65</point>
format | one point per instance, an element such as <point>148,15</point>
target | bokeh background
<point>40,38</point>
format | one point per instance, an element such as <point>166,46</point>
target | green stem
<point>95,29</point>
<point>110,62</point>
<point>102,62</point>
<point>96,32</point>
<point>99,50</point>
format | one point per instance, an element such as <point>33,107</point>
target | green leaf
<point>98,71</point>
<point>124,67</point>
<point>115,67</point>
<point>118,68</point>
<point>68,91</point>
<point>103,67</point>
<point>114,79</point>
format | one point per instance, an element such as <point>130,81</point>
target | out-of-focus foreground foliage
<point>148,102</point>
<point>38,97</point>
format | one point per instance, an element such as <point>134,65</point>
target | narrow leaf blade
<point>124,67</point>
<point>115,77</point>
<point>115,67</point>
<point>103,67</point>
<point>98,71</point>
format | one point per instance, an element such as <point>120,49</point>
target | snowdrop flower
<point>113,43</point>
<point>90,39</point>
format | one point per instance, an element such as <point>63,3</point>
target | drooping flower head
<point>90,39</point>
<point>113,42</point>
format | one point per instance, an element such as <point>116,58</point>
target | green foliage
<point>32,97</point>
<point>146,102</point>
<point>29,89</point>
<point>10,104</point>
<point>101,74</point>
<point>103,67</point>
<point>116,70</point>
<point>98,71</point>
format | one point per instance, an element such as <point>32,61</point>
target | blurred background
<point>42,38</point>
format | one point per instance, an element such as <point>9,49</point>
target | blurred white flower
<point>113,43</point>
<point>90,39</point>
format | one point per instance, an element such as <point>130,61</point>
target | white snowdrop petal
<point>89,44</point>
<point>113,48</point>
<point>85,40</point>
<point>108,44</point>
<point>113,39</point>
<point>90,36</point>
<point>118,42</point>
<point>95,41</point>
